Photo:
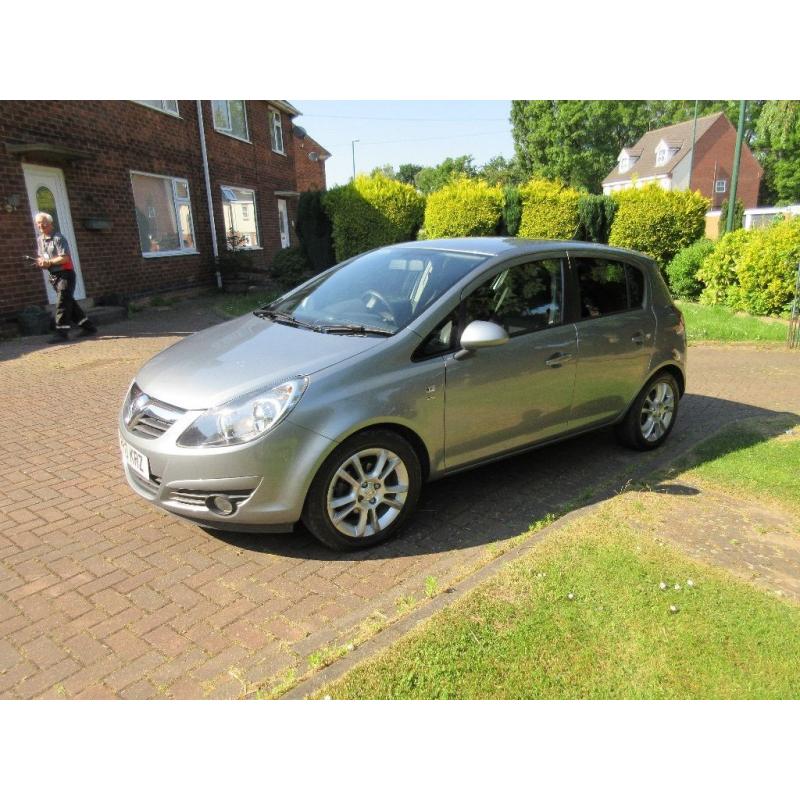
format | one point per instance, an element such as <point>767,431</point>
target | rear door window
<point>607,286</point>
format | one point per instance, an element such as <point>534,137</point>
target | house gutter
<point>209,197</point>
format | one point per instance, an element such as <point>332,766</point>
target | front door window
<point>283,223</point>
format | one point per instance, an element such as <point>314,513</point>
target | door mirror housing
<point>478,335</point>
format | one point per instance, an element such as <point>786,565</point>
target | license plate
<point>134,459</point>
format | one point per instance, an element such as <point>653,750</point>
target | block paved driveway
<point>103,596</point>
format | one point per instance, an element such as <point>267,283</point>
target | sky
<point>398,132</point>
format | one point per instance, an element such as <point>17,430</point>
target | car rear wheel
<point>652,414</point>
<point>364,492</point>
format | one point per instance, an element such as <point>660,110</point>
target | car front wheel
<point>364,492</point>
<point>652,414</point>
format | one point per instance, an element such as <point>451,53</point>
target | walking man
<point>55,258</point>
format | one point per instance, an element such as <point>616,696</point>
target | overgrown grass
<point>583,616</point>
<point>234,305</point>
<point>758,457</point>
<point>720,324</point>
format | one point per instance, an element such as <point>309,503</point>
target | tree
<point>500,171</point>
<point>778,143</point>
<point>430,179</point>
<point>387,170</point>
<point>407,172</point>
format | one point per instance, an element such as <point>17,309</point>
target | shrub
<point>291,268</point>
<point>682,270</point>
<point>595,217</point>
<point>549,210</point>
<point>658,222</point>
<point>463,207</point>
<point>314,231</point>
<point>738,214</point>
<point>767,269</point>
<point>371,212</point>
<point>512,211</point>
<point>718,270</point>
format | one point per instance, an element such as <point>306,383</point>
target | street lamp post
<point>353,144</point>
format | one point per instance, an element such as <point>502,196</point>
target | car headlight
<point>244,418</point>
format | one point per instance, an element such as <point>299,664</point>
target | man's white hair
<point>45,216</point>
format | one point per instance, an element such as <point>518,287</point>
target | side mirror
<point>478,335</point>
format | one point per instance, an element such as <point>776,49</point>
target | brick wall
<point>118,137</point>
<point>310,174</point>
<point>713,156</point>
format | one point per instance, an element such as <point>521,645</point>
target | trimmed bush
<point>463,207</point>
<point>549,210</point>
<point>682,270</point>
<point>767,270</point>
<point>371,212</point>
<point>512,211</point>
<point>595,217</point>
<point>658,222</point>
<point>314,230</point>
<point>290,268</point>
<point>718,270</point>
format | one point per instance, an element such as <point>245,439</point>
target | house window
<point>624,164</point>
<point>163,214</point>
<point>167,106</point>
<point>230,117</point>
<point>662,157</point>
<point>720,187</point>
<point>276,131</point>
<point>239,211</point>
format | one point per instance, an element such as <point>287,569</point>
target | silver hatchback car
<point>334,403</point>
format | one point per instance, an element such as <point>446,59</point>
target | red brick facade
<point>309,159</point>
<point>713,161</point>
<point>113,139</point>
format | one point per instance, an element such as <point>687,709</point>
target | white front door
<point>283,223</point>
<point>48,192</point>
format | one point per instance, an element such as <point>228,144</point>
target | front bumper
<point>259,486</point>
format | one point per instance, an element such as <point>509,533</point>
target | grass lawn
<point>234,305</point>
<point>521,636</point>
<point>758,457</point>
<point>720,324</point>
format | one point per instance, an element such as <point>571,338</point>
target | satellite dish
<point>299,132</point>
<point>312,156</point>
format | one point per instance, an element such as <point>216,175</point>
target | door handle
<point>638,338</point>
<point>557,359</point>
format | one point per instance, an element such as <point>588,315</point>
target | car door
<point>616,332</point>
<point>518,393</point>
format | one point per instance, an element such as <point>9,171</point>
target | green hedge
<point>595,216</point>
<point>290,268</point>
<point>658,222</point>
<point>549,210</point>
<point>371,212</point>
<point>682,270</point>
<point>464,207</point>
<point>718,270</point>
<point>313,228</point>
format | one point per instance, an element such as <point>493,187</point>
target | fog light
<point>220,504</point>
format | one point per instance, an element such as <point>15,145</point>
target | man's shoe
<point>87,330</point>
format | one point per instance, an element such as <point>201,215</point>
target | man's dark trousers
<point>67,309</point>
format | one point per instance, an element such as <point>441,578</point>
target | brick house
<point>662,156</point>
<point>309,160</point>
<point>135,187</point>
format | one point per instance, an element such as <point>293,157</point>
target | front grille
<point>155,419</point>
<point>148,486</point>
<point>191,497</point>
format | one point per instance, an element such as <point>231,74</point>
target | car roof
<point>509,246</point>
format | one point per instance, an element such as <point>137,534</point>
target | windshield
<point>377,293</point>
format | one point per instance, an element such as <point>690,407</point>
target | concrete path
<point>103,596</point>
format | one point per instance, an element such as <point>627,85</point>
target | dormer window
<point>624,164</point>
<point>626,160</point>
<point>664,153</point>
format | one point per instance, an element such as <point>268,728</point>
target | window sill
<point>279,152</point>
<point>254,247</point>
<point>175,114</point>
<point>233,136</point>
<point>164,253</point>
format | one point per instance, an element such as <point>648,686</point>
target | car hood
<point>227,360</point>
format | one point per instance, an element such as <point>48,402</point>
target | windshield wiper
<point>285,319</point>
<point>354,330</point>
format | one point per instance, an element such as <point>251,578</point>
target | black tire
<point>375,510</point>
<point>630,431</point>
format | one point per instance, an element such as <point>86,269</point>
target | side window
<point>603,287</point>
<point>440,340</point>
<point>524,298</point>
<point>635,286</point>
